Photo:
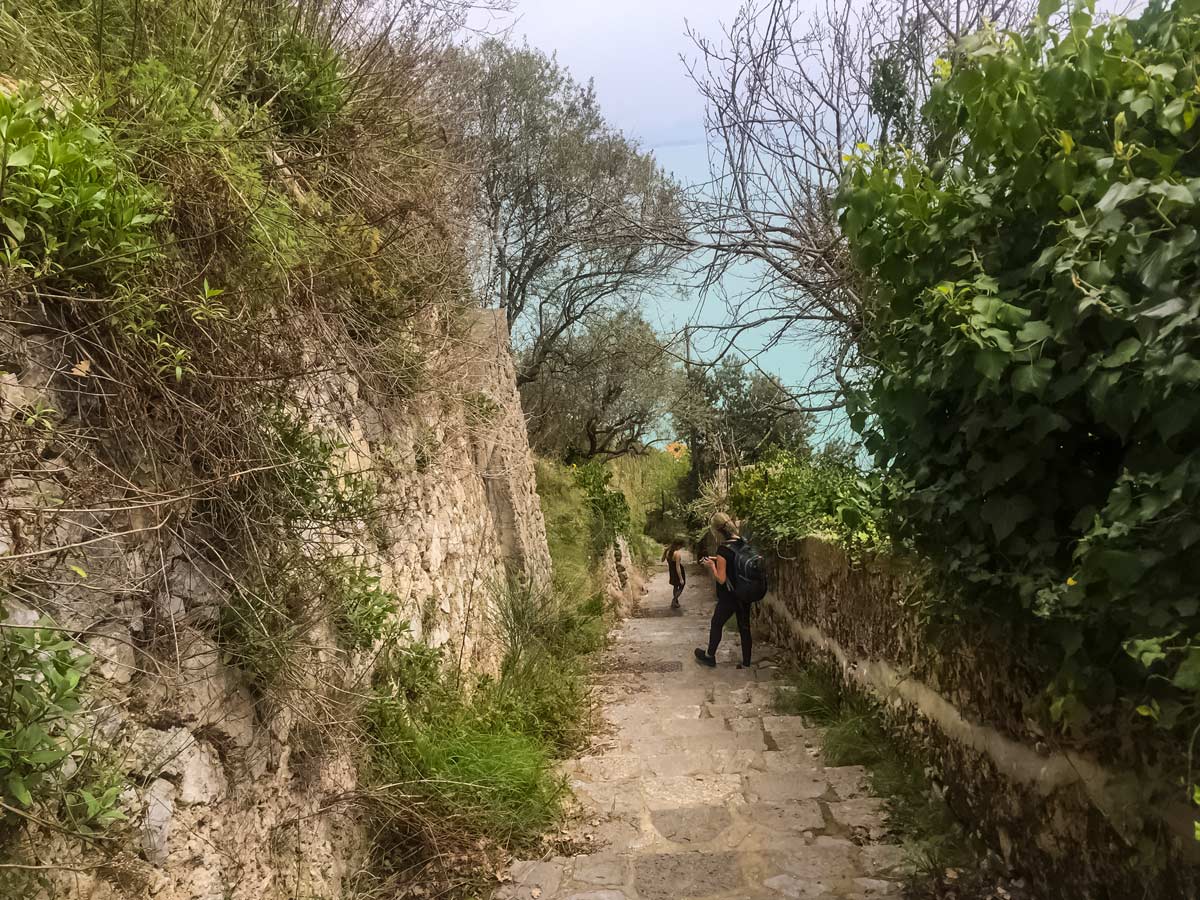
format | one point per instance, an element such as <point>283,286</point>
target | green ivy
<point>610,515</point>
<point>1036,400</point>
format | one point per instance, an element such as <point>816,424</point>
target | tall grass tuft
<point>460,766</point>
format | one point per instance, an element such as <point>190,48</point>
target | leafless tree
<point>789,93</point>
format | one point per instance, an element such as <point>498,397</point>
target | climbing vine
<point>1036,395</point>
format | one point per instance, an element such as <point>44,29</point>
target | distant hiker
<point>740,577</point>
<point>673,556</point>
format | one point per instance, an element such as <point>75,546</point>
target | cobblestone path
<point>698,790</point>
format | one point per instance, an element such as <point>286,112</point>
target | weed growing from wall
<point>72,213</point>
<point>49,766</point>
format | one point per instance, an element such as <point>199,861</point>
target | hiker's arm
<point>718,568</point>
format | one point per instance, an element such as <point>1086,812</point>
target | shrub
<point>811,693</point>
<point>71,210</point>
<point>298,81</point>
<point>45,757</point>
<point>568,525</point>
<point>476,764</point>
<point>360,605</point>
<point>541,689</point>
<point>1036,400</point>
<point>459,771</point>
<point>608,508</point>
<point>787,497</point>
<point>653,483</point>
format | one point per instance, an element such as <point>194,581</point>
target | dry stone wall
<point>1055,814</point>
<point>621,579</point>
<point>235,793</point>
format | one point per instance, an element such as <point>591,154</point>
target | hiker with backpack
<point>740,578</point>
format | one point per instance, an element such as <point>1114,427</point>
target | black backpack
<point>749,582</point>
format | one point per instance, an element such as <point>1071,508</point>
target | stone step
<point>700,790</point>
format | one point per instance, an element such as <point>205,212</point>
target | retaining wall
<point>1074,827</point>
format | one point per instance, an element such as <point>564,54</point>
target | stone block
<point>675,876</point>
<point>531,880</point>
<point>601,870</point>
<point>771,788</point>
<point>691,824</point>
<point>157,817</point>
<point>691,790</point>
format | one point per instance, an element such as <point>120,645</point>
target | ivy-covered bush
<point>609,508</point>
<point>1036,398</point>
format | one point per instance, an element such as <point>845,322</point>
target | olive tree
<point>568,208</point>
<point>605,390</point>
<point>730,414</point>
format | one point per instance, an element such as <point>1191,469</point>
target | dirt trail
<point>698,790</point>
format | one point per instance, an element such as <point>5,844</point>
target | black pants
<point>726,607</point>
<point>676,590</point>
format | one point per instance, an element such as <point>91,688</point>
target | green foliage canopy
<point>1037,390</point>
<point>787,496</point>
<point>732,414</point>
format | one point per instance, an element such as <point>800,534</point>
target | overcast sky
<point>632,48</point>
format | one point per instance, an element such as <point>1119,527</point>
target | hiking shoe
<point>674,604</point>
<point>704,659</point>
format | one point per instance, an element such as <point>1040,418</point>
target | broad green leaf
<point>1047,8</point>
<point>1032,379</point>
<point>18,789</point>
<point>42,757</point>
<point>1146,651</point>
<point>1122,566</point>
<point>1034,330</point>
<point>1177,193</point>
<point>1124,352</point>
<point>21,157</point>
<point>16,226</point>
<point>1187,676</point>
<point>1166,308</point>
<point>1004,514</point>
<point>1122,193</point>
<point>991,363</point>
